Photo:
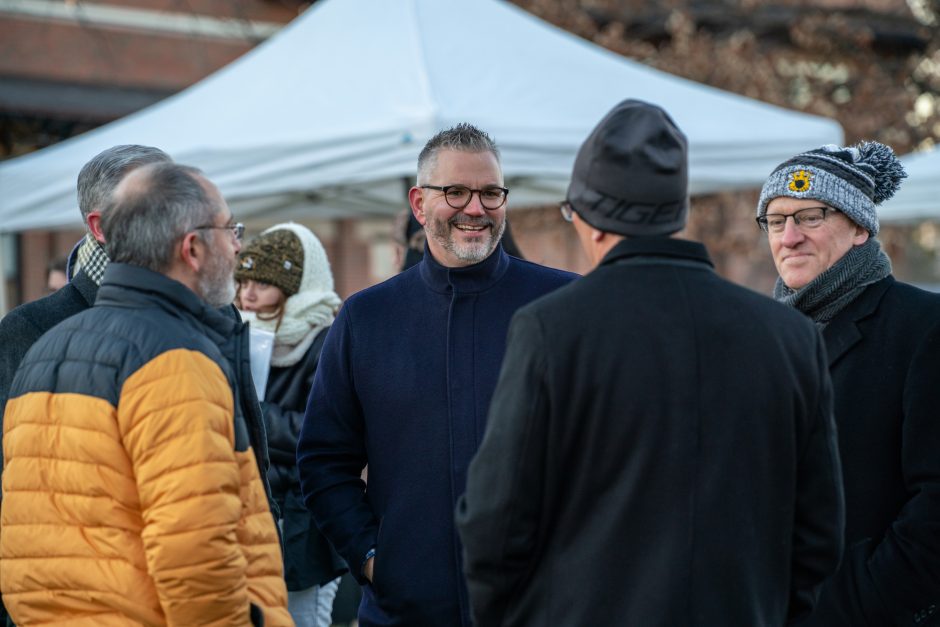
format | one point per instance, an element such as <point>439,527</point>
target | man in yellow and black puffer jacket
<point>131,491</point>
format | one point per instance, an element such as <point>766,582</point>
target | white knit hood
<point>307,312</point>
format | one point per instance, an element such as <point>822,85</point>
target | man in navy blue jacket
<point>404,383</point>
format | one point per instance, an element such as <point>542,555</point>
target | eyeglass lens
<point>458,196</point>
<point>803,219</point>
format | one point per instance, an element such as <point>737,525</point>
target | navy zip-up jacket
<point>404,384</point>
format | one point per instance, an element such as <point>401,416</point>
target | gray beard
<point>472,253</point>
<point>217,294</point>
<point>217,285</point>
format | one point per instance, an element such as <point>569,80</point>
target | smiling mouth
<point>471,228</point>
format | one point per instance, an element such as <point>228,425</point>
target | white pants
<point>313,607</point>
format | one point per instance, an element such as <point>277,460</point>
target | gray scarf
<point>826,295</point>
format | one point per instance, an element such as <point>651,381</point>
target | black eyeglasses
<point>238,229</point>
<point>804,219</point>
<point>567,211</point>
<point>459,196</point>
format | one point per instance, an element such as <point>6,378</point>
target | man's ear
<point>416,200</point>
<point>595,234</point>
<point>192,252</point>
<point>861,235</point>
<point>94,225</point>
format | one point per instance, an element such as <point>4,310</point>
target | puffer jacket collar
<point>126,285</point>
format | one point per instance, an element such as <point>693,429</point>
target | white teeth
<point>467,227</point>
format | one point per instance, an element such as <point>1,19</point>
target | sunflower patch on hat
<point>853,179</point>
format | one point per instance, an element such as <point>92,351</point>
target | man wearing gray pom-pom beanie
<point>883,342</point>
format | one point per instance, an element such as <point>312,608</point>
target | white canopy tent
<point>327,117</point>
<point>919,196</point>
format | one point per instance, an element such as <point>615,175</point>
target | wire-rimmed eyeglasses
<point>804,219</point>
<point>237,229</point>
<point>567,211</point>
<point>459,196</point>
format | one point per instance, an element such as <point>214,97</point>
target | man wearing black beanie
<point>660,448</point>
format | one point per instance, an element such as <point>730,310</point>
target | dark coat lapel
<point>86,287</point>
<point>843,332</point>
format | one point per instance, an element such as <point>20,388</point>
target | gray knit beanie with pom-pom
<point>852,179</point>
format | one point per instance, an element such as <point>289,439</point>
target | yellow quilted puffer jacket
<point>130,493</point>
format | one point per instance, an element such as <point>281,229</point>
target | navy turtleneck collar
<point>465,279</point>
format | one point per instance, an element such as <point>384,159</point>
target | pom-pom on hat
<point>631,174</point>
<point>275,257</point>
<point>852,179</point>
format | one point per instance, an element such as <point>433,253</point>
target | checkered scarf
<point>92,258</point>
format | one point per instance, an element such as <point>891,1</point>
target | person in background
<point>22,326</point>
<point>403,384</point>
<point>660,449</point>
<point>819,211</point>
<point>132,490</point>
<point>56,277</point>
<point>285,286</point>
<point>410,239</point>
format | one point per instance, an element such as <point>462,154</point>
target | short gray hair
<point>152,211</point>
<point>463,137</point>
<point>101,175</point>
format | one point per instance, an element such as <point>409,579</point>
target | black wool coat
<point>660,450</point>
<point>884,357</point>
<point>22,326</point>
<point>309,559</point>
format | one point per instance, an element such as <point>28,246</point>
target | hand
<point>367,569</point>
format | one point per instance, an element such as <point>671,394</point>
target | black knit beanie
<point>631,174</point>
